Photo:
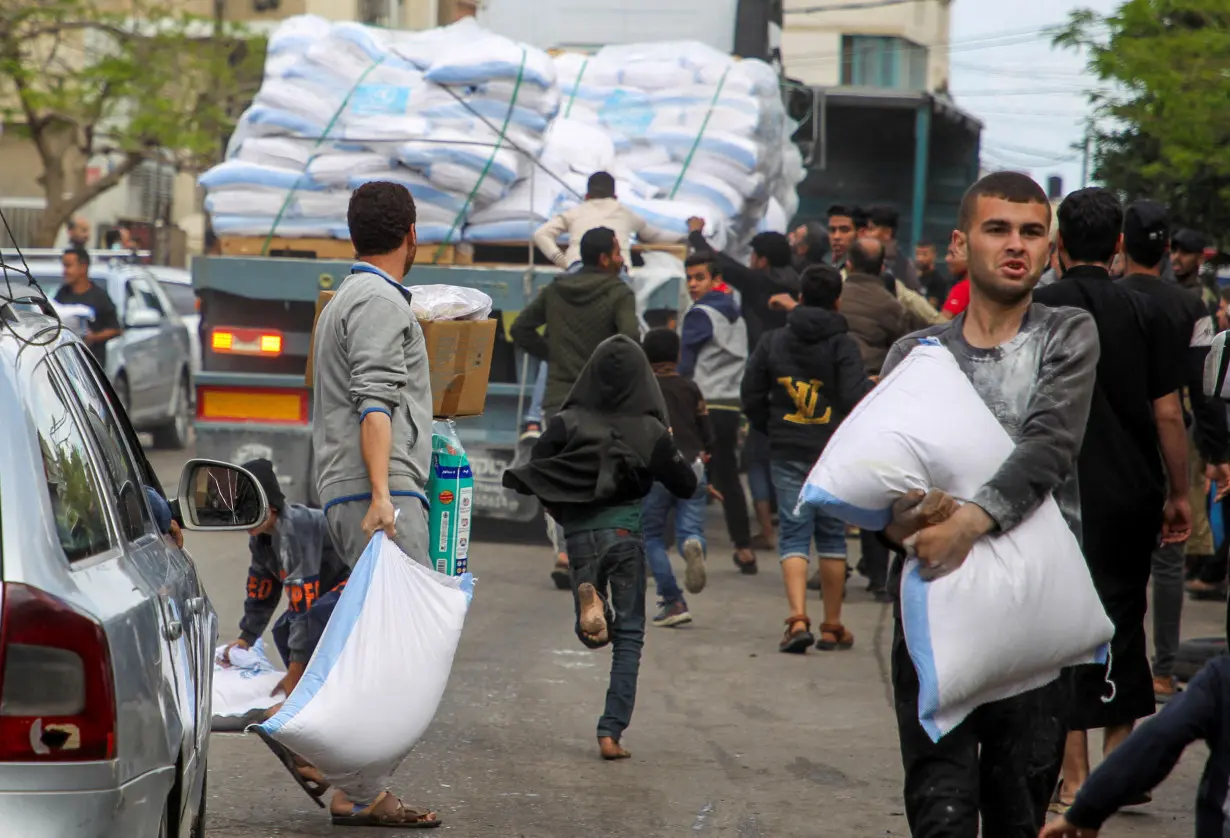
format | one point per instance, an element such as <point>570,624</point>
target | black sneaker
<point>674,614</point>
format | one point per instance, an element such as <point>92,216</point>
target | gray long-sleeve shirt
<point>1039,385</point>
<point>370,356</point>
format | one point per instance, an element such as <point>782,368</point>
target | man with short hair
<point>713,353</point>
<point>1147,240</point>
<point>579,310</point>
<point>1129,494</point>
<point>882,224</point>
<point>372,411</point>
<point>841,233</point>
<point>601,208</point>
<point>78,232</point>
<point>810,242</point>
<point>1187,258</point>
<point>935,285</point>
<point>79,289</point>
<point>1034,367</point>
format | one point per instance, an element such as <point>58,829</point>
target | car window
<point>76,501</point>
<point>109,439</point>
<point>141,295</point>
<point>182,297</point>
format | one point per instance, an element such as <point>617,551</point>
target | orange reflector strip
<point>220,404</point>
<point>231,341</point>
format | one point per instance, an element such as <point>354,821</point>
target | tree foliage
<point>1164,116</point>
<point>91,85</point>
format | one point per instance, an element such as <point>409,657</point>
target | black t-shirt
<point>936,286</point>
<point>105,315</point>
<point>1120,467</point>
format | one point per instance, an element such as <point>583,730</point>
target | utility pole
<point>1085,155</point>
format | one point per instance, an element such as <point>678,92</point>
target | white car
<point>177,284</point>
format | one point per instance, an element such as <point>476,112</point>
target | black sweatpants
<point>724,474</point>
<point>1001,763</point>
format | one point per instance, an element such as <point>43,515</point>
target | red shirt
<point>958,298</point>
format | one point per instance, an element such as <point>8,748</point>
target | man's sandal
<point>834,636</point>
<point>796,642</point>
<point>403,817</point>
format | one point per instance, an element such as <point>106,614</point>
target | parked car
<point>107,640</point>
<point>150,364</point>
<point>177,285</point>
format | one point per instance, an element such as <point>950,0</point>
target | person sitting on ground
<point>1146,758</point>
<point>800,383</point>
<point>594,463</point>
<point>693,433</point>
<point>601,208</point>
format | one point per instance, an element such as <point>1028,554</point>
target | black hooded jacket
<point>755,287</point>
<point>801,381</point>
<point>607,445</point>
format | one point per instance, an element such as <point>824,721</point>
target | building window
<point>877,61</point>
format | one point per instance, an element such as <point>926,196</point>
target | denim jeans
<point>317,618</point>
<point>799,526</point>
<point>689,523</point>
<point>534,412</point>
<point>756,457</point>
<point>613,561</point>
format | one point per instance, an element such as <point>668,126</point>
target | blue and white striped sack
<point>924,426</point>
<point>376,678</point>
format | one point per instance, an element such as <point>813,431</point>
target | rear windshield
<point>182,297</point>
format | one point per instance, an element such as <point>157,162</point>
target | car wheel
<point>175,434</point>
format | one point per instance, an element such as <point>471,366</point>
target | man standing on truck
<point>580,310</point>
<point>372,430</point>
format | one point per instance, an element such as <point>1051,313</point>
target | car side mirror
<point>221,497</point>
<point>142,318</point>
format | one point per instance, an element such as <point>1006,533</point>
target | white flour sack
<point>924,426</point>
<point>373,685</point>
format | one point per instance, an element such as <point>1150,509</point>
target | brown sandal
<point>834,636</point>
<point>403,817</point>
<point>797,642</point>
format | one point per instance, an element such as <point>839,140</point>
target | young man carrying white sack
<point>1034,367</point>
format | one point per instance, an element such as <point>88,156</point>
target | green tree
<point>1164,110</point>
<point>89,85</point>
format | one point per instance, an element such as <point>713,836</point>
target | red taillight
<point>57,695</point>
<point>226,340</point>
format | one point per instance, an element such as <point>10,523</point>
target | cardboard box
<point>458,358</point>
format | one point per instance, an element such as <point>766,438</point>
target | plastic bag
<point>243,686</point>
<point>449,302</point>
<point>375,681</point>
<point>450,489</point>
<point>1033,575</point>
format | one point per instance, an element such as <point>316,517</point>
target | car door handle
<point>174,630</point>
<point>196,605</point>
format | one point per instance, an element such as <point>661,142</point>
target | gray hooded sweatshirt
<point>370,356</point>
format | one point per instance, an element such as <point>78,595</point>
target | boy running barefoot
<point>594,463</point>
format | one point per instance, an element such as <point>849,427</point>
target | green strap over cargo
<point>324,136</point>
<point>499,143</point>
<point>575,86</point>
<point>687,162</point>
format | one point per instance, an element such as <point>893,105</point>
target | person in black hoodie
<point>594,463</point>
<point>801,381</point>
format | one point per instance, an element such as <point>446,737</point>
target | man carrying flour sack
<point>372,429</point>
<point>1034,367</point>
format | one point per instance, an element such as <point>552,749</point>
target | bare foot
<point>611,749</point>
<point>593,615</point>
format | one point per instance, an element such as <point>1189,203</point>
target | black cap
<point>1146,222</point>
<point>262,470</point>
<point>1188,241</point>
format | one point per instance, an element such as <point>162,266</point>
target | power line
<point>843,7</point>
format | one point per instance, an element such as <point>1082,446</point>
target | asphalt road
<point>730,738</point>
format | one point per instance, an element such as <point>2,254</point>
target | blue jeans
<point>689,523</point>
<point>534,412</point>
<point>799,526</point>
<point>759,475</point>
<point>613,561</point>
<point>317,618</point>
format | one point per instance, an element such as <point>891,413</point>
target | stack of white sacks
<point>493,137</point>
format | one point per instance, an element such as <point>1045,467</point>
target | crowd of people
<point>1097,379</point>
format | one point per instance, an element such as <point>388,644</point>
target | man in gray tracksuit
<point>372,413</point>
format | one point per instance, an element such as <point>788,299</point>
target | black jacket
<point>755,288</point>
<point>687,411</point>
<point>801,381</point>
<point>611,439</point>
<point>1201,712</point>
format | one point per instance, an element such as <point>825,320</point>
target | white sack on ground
<point>961,629</point>
<point>245,684</point>
<point>379,671</point>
